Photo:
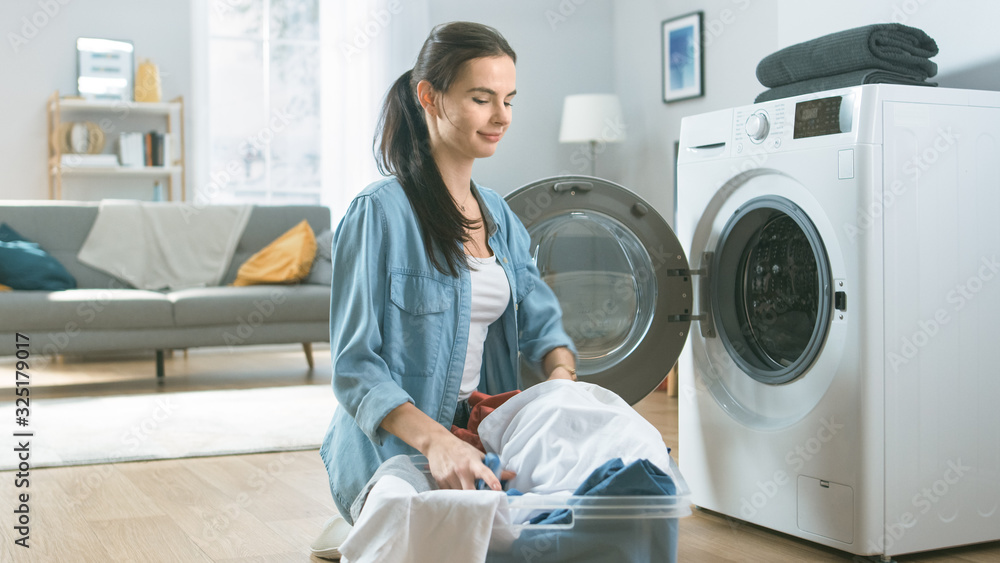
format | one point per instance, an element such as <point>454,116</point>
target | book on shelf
<point>144,149</point>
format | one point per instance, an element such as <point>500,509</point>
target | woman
<point>434,291</point>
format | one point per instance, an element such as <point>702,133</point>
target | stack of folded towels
<point>874,54</point>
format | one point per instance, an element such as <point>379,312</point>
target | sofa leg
<point>159,367</point>
<point>307,347</point>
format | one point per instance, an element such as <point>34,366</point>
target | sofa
<point>105,314</point>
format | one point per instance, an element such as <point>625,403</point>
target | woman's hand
<point>560,363</point>
<point>562,371</point>
<point>454,464</point>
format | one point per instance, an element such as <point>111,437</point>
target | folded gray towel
<point>890,46</point>
<point>855,78</point>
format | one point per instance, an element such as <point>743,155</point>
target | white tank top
<point>490,296</point>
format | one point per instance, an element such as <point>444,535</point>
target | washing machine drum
<point>770,287</point>
<point>620,275</point>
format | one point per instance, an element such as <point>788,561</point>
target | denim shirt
<point>399,328</point>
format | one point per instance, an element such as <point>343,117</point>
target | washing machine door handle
<point>704,316</point>
<point>572,187</point>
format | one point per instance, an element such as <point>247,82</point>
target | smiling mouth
<point>492,136</point>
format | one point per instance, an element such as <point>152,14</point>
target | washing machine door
<point>771,290</point>
<point>620,274</point>
<point>777,334</point>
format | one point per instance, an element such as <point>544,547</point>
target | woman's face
<point>468,120</point>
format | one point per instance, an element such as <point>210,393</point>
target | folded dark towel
<point>855,78</point>
<point>893,47</point>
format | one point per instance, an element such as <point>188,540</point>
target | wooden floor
<point>267,507</point>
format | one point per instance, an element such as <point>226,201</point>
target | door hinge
<point>704,317</point>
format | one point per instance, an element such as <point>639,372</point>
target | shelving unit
<point>171,112</point>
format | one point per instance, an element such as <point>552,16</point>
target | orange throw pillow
<point>286,260</point>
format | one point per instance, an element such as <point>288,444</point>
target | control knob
<point>757,126</point>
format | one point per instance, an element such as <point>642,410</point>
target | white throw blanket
<point>555,434</point>
<point>164,245</point>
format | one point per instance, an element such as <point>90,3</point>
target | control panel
<point>768,125</point>
<point>818,117</point>
<point>761,126</point>
<point>757,126</point>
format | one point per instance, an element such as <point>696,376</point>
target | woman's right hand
<point>455,464</point>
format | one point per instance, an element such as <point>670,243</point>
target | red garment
<point>481,405</point>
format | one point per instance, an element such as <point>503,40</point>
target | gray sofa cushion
<point>252,305</point>
<point>321,271</point>
<point>87,309</point>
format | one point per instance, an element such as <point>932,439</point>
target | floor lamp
<point>593,119</point>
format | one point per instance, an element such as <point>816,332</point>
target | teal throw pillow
<point>24,265</point>
<point>8,234</point>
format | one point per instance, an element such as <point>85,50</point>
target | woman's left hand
<point>560,363</point>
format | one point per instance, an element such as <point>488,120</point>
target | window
<point>264,93</point>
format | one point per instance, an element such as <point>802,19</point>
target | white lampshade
<point>592,117</point>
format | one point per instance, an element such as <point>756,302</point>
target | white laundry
<point>555,434</point>
<point>399,524</point>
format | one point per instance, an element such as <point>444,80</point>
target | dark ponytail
<point>402,140</point>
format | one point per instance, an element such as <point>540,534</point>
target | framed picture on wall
<point>683,63</point>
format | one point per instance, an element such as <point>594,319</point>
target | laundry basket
<point>594,529</point>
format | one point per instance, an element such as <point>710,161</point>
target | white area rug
<point>80,431</point>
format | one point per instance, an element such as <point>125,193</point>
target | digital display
<point>817,117</point>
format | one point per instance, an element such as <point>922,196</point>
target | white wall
<point>563,47</point>
<point>46,61</point>
<point>739,33</point>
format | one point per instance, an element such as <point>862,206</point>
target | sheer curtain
<point>365,46</point>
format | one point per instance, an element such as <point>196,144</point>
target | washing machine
<point>841,379</point>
